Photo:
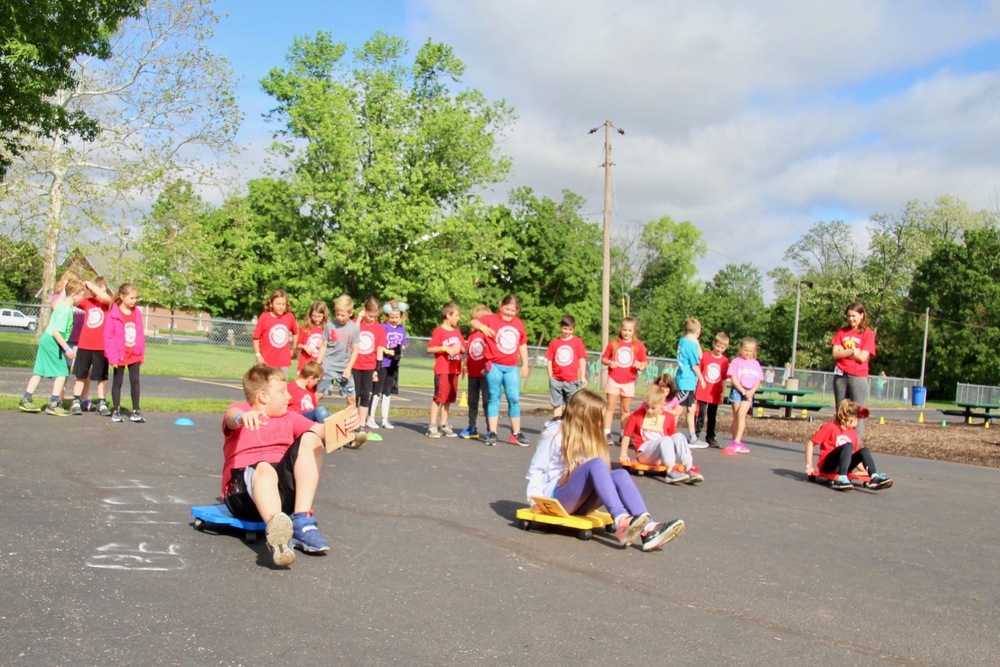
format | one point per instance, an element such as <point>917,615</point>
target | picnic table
<point>969,410</point>
<point>787,400</point>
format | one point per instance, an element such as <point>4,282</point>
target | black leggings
<point>133,381</point>
<point>844,459</point>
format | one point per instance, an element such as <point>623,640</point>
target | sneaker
<point>116,416</point>
<point>659,534</point>
<point>27,406</point>
<point>447,431</point>
<point>433,432</point>
<point>741,448</point>
<point>469,433</point>
<point>371,425</point>
<point>88,405</point>
<point>103,409</point>
<point>359,439</point>
<point>305,534</point>
<point>731,450</point>
<point>56,409</point>
<point>519,439</point>
<point>386,424</point>
<point>491,439</point>
<point>76,409</point>
<point>841,483</point>
<point>712,442</point>
<point>879,481</point>
<point>136,417</point>
<point>629,528</point>
<point>695,443</point>
<point>694,475</point>
<point>278,535</point>
<point>676,475</point>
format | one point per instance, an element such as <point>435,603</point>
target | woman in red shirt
<point>853,345</point>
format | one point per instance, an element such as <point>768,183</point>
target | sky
<point>753,121</point>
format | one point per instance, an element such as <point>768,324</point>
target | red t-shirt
<point>634,430</point>
<point>850,339</point>
<point>565,356</point>
<point>508,337</point>
<point>475,362</point>
<point>626,355</point>
<point>830,436</point>
<point>370,339</point>
<point>92,333</point>
<point>715,370</point>
<point>444,363</point>
<point>311,336</point>
<point>275,335</point>
<point>243,447</point>
<point>303,399</point>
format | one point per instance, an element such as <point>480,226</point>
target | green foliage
<point>20,270</point>
<point>38,42</point>
<point>733,302</point>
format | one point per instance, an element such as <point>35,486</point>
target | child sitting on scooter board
<point>272,462</point>
<point>839,451</point>
<point>652,430</point>
<point>572,465</point>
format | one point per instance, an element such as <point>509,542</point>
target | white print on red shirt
<point>130,334</point>
<point>366,344</point>
<point>278,336</point>
<point>476,349</point>
<point>713,373</point>
<point>507,338</point>
<point>313,341</point>
<point>448,342</point>
<point>624,357</point>
<point>564,355</point>
<point>95,317</point>
<point>843,440</point>
<point>307,402</point>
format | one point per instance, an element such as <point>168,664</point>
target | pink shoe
<point>731,450</point>
<point>741,448</point>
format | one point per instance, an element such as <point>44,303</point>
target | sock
<point>385,408</point>
<point>76,398</point>
<point>371,410</point>
<point>53,399</point>
<point>27,396</point>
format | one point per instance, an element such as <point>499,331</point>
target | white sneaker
<point>386,424</point>
<point>371,424</point>
<point>695,443</point>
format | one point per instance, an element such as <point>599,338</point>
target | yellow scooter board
<point>551,512</point>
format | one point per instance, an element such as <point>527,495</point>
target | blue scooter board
<point>219,515</point>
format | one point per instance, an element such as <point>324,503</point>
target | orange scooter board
<point>641,469</point>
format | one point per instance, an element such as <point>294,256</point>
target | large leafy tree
<point>39,41</point>
<point>20,270</point>
<point>733,302</point>
<point>386,154</point>
<point>162,102</point>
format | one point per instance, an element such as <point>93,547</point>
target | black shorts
<point>238,498</point>
<point>92,364</point>
<point>364,386</point>
<point>685,398</point>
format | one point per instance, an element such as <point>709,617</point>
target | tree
<point>162,102</point>
<point>173,250</point>
<point>40,41</point>
<point>667,294</point>
<point>734,302</point>
<point>960,283</point>
<point>20,270</point>
<point>385,160</point>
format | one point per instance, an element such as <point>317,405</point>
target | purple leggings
<point>594,484</point>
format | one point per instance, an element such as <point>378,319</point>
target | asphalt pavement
<point>100,563</point>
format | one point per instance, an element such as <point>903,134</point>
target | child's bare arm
<point>623,456</point>
<point>809,458</point>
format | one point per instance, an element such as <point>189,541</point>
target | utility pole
<point>606,269</point>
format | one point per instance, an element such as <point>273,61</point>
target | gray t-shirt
<point>340,341</point>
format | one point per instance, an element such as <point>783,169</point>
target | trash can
<point>919,397</point>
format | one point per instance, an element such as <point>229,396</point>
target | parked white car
<point>15,318</point>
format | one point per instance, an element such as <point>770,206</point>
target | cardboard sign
<point>550,506</point>
<point>337,433</point>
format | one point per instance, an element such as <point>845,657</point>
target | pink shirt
<point>746,372</point>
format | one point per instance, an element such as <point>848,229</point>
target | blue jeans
<point>509,378</point>
<point>317,414</point>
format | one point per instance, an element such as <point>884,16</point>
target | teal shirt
<point>61,321</point>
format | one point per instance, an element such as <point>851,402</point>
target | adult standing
<point>853,346</point>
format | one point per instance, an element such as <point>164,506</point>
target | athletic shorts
<point>92,364</point>
<point>612,388</point>
<point>239,491</point>
<point>445,388</point>
<point>685,398</point>
<point>561,390</point>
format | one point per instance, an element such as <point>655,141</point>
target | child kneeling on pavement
<point>272,463</point>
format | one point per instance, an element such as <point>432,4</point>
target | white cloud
<point>745,118</point>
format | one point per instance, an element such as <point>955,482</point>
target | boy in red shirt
<point>714,370</point>
<point>567,361</point>
<point>446,345</point>
<point>475,371</point>
<point>91,366</point>
<point>272,460</point>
